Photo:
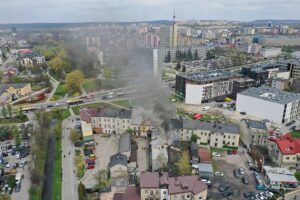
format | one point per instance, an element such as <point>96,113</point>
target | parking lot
<point>106,146</point>
<point>226,164</point>
<point>14,164</point>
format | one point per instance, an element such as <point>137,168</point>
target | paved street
<point>69,182</point>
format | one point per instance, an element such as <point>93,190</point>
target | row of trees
<point>182,56</point>
<point>179,67</point>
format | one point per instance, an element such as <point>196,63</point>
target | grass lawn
<point>123,103</point>
<point>93,105</point>
<point>91,85</point>
<point>14,120</point>
<point>35,193</point>
<point>36,87</point>
<point>59,93</point>
<point>295,134</point>
<point>297,175</point>
<point>57,170</point>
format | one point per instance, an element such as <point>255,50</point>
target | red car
<point>90,160</point>
<point>90,167</point>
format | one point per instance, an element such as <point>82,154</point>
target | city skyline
<point>65,11</point>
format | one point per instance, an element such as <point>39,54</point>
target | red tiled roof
<point>180,184</point>
<point>24,51</point>
<point>85,115</point>
<point>287,144</point>
<point>149,180</point>
<point>132,193</point>
<point>204,155</point>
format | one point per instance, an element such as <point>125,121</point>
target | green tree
<point>56,65</point>
<point>183,69</point>
<point>177,54</point>
<point>81,191</point>
<point>20,112</point>
<point>74,136</point>
<point>178,66</point>
<point>184,164</point>
<point>196,56</point>
<point>4,112</point>
<point>168,57</point>
<point>194,138</point>
<point>189,55</point>
<point>4,197</point>
<point>74,81</point>
<point>9,111</point>
<point>11,181</point>
<point>102,180</point>
<point>17,137</point>
<point>107,72</point>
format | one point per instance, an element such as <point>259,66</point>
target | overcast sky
<point>28,11</point>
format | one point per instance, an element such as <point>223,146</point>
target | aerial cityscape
<point>149,100</point>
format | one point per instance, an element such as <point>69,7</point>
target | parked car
<point>90,167</point>
<point>215,154</point>
<point>206,181</point>
<point>242,171</point>
<point>18,187</point>
<point>236,173</point>
<point>78,143</point>
<point>223,188</point>
<point>217,173</point>
<point>255,169</point>
<point>243,113</point>
<point>227,193</point>
<point>245,180</point>
<point>249,194</point>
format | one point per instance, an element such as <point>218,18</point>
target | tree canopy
<point>74,80</point>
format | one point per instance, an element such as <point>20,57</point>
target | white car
<point>18,155</point>
<point>206,181</point>
<point>215,154</point>
<point>242,171</point>
<point>217,173</point>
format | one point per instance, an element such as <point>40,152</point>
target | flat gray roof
<point>124,142</point>
<point>214,75</point>
<point>256,124</point>
<point>271,94</point>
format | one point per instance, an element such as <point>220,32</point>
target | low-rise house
<point>10,92</point>
<point>108,120</point>
<point>205,170</point>
<point>204,154</point>
<point>9,73</point>
<point>285,151</point>
<point>118,166</point>
<point>26,62</point>
<point>279,178</point>
<point>140,124</point>
<point>159,150</point>
<point>160,186</point>
<point>254,133</point>
<point>215,134</point>
<point>39,60</point>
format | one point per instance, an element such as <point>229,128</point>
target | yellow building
<point>8,92</point>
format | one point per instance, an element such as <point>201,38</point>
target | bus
<point>74,102</point>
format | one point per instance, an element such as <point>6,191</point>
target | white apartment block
<point>270,52</point>
<point>269,103</point>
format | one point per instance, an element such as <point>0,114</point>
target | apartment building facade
<point>107,120</point>
<point>215,134</point>
<point>204,87</point>
<point>285,151</point>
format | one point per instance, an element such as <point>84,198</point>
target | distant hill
<point>275,22</point>
<point>65,25</point>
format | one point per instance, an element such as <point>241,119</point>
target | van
<point>18,177</point>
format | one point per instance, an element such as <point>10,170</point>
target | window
<point>164,192</point>
<point>287,158</point>
<point>151,192</point>
<point>233,144</point>
<point>146,191</point>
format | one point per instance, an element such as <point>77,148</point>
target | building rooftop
<point>213,127</point>
<point>175,185</point>
<point>204,154</point>
<point>271,94</point>
<point>215,75</point>
<point>124,142</point>
<point>205,167</point>
<point>277,174</point>
<point>256,124</point>
<point>117,159</point>
<point>107,112</point>
<point>287,144</point>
